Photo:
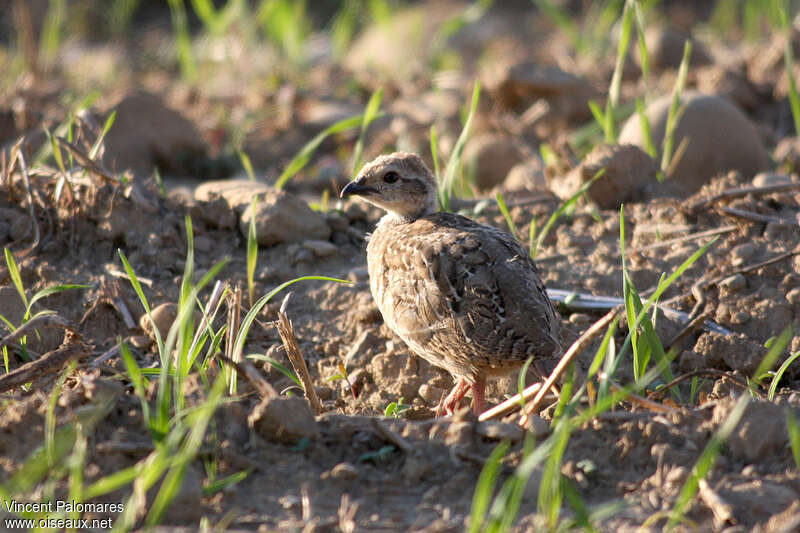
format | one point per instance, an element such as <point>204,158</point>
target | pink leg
<point>477,395</point>
<point>450,403</point>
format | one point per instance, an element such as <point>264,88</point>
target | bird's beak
<point>357,188</point>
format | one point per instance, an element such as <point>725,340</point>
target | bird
<point>462,295</point>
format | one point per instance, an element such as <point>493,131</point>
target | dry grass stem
<point>289,339</point>
<point>537,391</point>
<point>49,363</point>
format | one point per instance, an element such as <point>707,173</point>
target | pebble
<point>741,253</point>
<point>496,430</point>
<point>284,420</point>
<point>734,283</point>
<point>163,317</point>
<point>320,248</point>
<point>430,393</point>
<point>760,432</point>
<point>344,471</point>
<point>763,179</point>
<point>793,296</point>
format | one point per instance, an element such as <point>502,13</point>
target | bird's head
<point>400,183</point>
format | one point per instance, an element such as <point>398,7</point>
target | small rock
<point>741,253</point>
<point>793,296</point>
<point>415,468</point>
<point>735,86</point>
<point>707,153</point>
<point>358,274</point>
<point>757,501</point>
<point>282,217</point>
<point>537,425</point>
<point>321,248</point>
<point>215,213</point>
<point>324,392</point>
<point>163,316</point>
<point>580,319</point>
<point>734,283</point>
<point>359,353</point>
<point>187,505</point>
<point>518,85</point>
<point>488,158</point>
<point>764,179</point>
<point>460,432</point>
<point>284,420</point>
<point>665,48</point>
<point>237,194</point>
<point>760,433</point>
<point>203,244</point>
<point>344,471</point>
<point>527,175</point>
<point>626,170</point>
<point>430,393</point>
<point>736,351</point>
<point>20,228</point>
<point>496,430</point>
<point>148,134</point>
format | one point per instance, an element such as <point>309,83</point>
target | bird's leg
<point>477,395</point>
<point>450,403</point>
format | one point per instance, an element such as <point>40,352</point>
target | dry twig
<point>51,362</point>
<point>289,339</point>
<point>538,390</point>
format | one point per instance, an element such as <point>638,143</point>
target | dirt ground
<point>352,468</point>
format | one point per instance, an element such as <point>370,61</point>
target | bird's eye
<point>391,177</point>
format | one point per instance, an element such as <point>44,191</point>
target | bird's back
<point>463,295</point>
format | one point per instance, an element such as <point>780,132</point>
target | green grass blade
<point>776,379</point>
<point>13,271</point>
<point>247,165</point>
<point>560,211</point>
<point>305,153</point>
<point>248,319</point>
<point>793,428</point>
<point>53,290</point>
<point>252,253</point>
<point>643,54</point>
<point>224,483</point>
<point>451,173</point>
<point>485,487</point>
<point>775,350</point>
<point>370,114</point>
<point>135,375</point>
<point>435,153</point>
<point>501,203</point>
<point>95,150</point>
<point>647,132</point>
<point>673,114</point>
<point>183,40</point>
<point>280,367</point>
<point>616,78</point>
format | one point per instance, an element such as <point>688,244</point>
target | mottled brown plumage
<point>462,295</point>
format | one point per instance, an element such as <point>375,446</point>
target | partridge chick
<point>464,296</point>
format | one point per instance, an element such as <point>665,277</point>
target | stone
<point>626,170</point>
<point>284,420</point>
<point>765,179</point>
<point>147,134</point>
<point>665,48</point>
<point>734,352</point>
<point>489,158</point>
<point>707,152</point>
<point>517,85</point>
<point>741,253</point>
<point>793,297</point>
<point>528,174</point>
<point>760,432</point>
<point>496,430</point>
<point>430,393</point>
<point>344,471</point>
<point>734,283</point>
<point>282,217</point>
<point>320,248</point>
<point>163,317</point>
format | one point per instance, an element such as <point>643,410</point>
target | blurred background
<point>200,84</point>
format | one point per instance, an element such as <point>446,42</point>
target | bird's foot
<point>450,403</point>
